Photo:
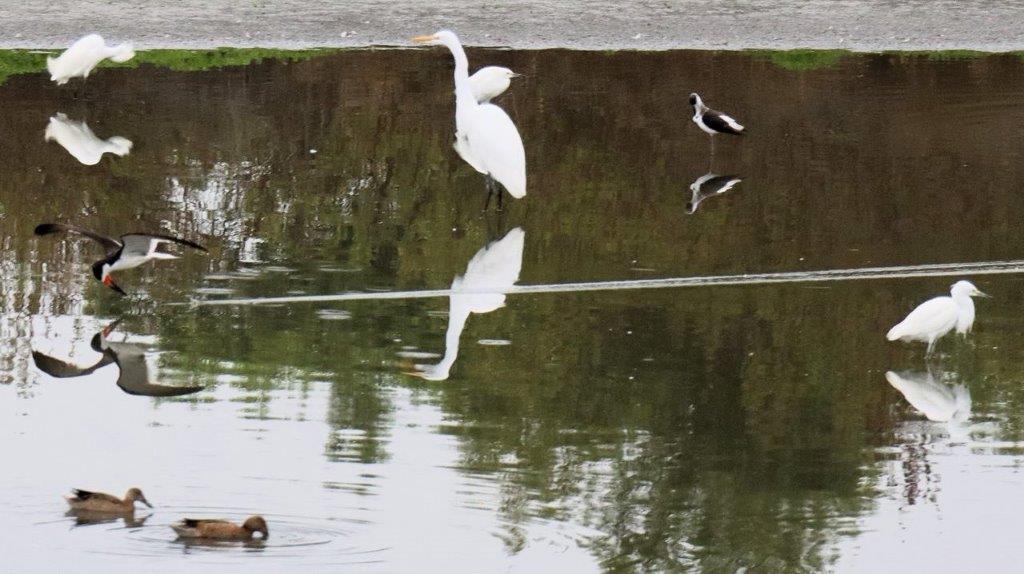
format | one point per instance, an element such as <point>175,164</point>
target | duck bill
<point>146,502</point>
<point>424,39</point>
<point>109,282</point>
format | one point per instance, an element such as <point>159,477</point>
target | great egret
<point>82,57</point>
<point>132,250</point>
<point>489,275</point>
<point>81,143</point>
<point>485,137</point>
<point>709,185</point>
<point>936,317</point>
<point>490,82</point>
<point>938,402</point>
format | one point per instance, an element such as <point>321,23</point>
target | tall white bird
<point>489,275</point>
<point>936,317</point>
<point>81,143</point>
<point>938,402</point>
<point>82,57</point>
<point>485,137</point>
<point>490,82</point>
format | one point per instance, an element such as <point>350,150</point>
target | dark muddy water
<point>718,427</point>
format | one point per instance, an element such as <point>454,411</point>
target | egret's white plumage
<point>938,402</point>
<point>78,139</point>
<point>79,60</point>
<point>490,82</point>
<point>936,317</point>
<point>485,136</point>
<point>489,275</point>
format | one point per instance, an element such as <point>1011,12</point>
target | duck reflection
<point>90,517</point>
<point>938,401</point>
<point>489,275</point>
<point>709,185</point>
<point>130,359</point>
<point>78,139</point>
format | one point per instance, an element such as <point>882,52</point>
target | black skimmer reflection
<point>709,185</point>
<point>129,358</point>
<point>132,250</point>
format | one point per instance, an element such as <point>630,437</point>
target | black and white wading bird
<point>132,250</point>
<point>713,121</point>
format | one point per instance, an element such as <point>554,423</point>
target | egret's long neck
<point>464,100</point>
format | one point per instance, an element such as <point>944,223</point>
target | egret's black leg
<point>501,195</point>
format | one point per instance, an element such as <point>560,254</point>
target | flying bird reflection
<point>489,275</point>
<point>130,358</point>
<point>938,401</point>
<point>81,143</point>
<point>709,185</point>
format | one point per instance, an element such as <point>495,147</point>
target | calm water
<point>637,430</point>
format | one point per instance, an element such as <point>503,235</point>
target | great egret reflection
<point>81,143</point>
<point>79,60</point>
<point>938,401</point>
<point>490,82</point>
<point>485,137</point>
<point>932,319</point>
<point>709,185</point>
<point>489,275</point>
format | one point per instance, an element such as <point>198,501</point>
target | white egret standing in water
<point>936,317</point>
<point>489,275</point>
<point>82,57</point>
<point>484,134</point>
<point>490,82</point>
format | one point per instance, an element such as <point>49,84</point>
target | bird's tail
<point>119,145</point>
<point>122,52</point>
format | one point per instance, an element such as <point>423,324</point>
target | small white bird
<point>938,402</point>
<point>490,82</point>
<point>936,317</point>
<point>82,57</point>
<point>712,121</point>
<point>81,143</point>
<point>485,137</point>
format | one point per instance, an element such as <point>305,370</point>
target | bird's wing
<point>932,316</point>
<point>134,377</point>
<point>109,244</point>
<point>61,370</point>
<point>722,123</point>
<point>140,243</point>
<point>195,522</point>
<point>497,265</point>
<point>494,142</point>
<point>88,494</point>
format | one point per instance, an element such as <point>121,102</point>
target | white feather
<point>79,60</point>
<point>81,142</point>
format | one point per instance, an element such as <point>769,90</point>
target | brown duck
<point>221,529</point>
<point>102,502</point>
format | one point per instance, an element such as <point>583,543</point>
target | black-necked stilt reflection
<point>485,137</point>
<point>81,143</point>
<point>79,60</point>
<point>490,82</point>
<point>130,358</point>
<point>931,320</point>
<point>709,185</point>
<point>490,274</point>
<point>132,250</point>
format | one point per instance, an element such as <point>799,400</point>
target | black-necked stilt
<point>132,250</point>
<point>709,185</point>
<point>712,121</point>
<point>130,359</point>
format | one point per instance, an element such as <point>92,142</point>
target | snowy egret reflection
<point>932,319</point>
<point>81,142</point>
<point>938,401</point>
<point>489,275</point>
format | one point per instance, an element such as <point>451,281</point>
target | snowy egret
<point>132,250</point>
<point>936,317</point>
<point>709,185</point>
<point>130,358</point>
<point>490,82</point>
<point>485,137</point>
<point>81,143</point>
<point>82,57</point>
<point>489,275</point>
<point>938,402</point>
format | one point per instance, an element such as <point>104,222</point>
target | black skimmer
<point>132,250</point>
<point>712,121</point>
<point>709,185</point>
<point>129,358</point>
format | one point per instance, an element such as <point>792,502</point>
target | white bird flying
<point>936,317</point>
<point>490,82</point>
<point>489,275</point>
<point>79,60</point>
<point>78,139</point>
<point>485,137</point>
